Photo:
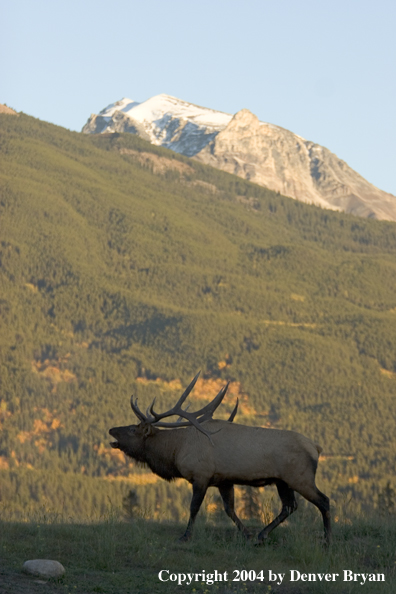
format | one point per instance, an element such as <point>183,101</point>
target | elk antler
<point>147,418</point>
<point>195,418</point>
<point>206,411</point>
<point>234,412</point>
<point>136,410</point>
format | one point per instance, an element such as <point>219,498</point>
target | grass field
<point>117,557</point>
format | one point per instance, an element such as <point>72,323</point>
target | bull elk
<point>213,453</point>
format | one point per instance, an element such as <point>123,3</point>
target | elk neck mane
<point>160,449</point>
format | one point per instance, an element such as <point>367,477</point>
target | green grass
<point>114,557</point>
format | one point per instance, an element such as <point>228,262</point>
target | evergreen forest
<point>126,268</point>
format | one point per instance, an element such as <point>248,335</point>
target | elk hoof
<point>248,535</point>
<point>184,538</point>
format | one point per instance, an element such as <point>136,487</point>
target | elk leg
<point>227,495</point>
<point>289,505</point>
<point>322,502</point>
<point>198,496</point>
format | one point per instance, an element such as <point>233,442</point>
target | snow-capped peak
<point>163,120</point>
<point>124,105</point>
<point>155,108</point>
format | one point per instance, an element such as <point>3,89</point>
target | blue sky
<point>322,69</point>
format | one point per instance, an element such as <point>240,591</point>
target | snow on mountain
<point>124,105</point>
<point>163,120</point>
<point>155,109</point>
<point>263,153</point>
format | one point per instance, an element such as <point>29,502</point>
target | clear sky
<point>324,69</point>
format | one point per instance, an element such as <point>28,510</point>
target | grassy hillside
<point>126,268</point>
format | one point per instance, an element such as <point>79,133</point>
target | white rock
<point>44,568</point>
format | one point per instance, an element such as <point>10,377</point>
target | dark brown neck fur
<point>160,450</point>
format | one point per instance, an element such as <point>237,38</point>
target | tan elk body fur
<point>240,454</point>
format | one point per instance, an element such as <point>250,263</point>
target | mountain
<point>162,120</point>
<point>263,153</point>
<point>126,267</point>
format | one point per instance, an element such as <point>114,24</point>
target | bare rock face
<point>282,161</point>
<point>44,568</point>
<point>7,110</point>
<point>120,122</point>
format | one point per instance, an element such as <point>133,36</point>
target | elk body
<point>213,453</point>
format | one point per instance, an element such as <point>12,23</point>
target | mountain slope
<point>278,159</point>
<point>263,153</point>
<point>125,268</point>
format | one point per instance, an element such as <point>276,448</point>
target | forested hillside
<point>125,268</point>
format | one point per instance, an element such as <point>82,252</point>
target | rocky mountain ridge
<point>263,153</point>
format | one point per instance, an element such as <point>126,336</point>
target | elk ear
<point>147,430</point>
